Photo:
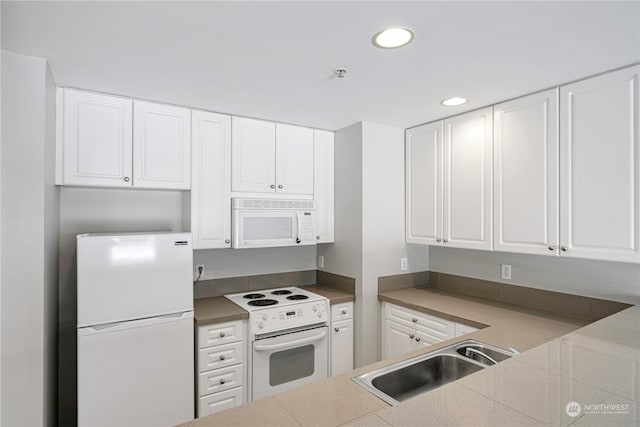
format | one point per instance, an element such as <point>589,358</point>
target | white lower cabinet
<point>405,330</point>
<point>221,367</point>
<point>341,338</point>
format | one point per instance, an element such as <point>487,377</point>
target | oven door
<point>287,361</point>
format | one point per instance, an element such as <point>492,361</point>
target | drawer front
<point>427,339</point>
<point>342,311</point>
<point>220,333</point>
<point>220,380</point>
<point>217,402</point>
<point>431,324</point>
<point>219,356</point>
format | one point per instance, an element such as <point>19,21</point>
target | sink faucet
<point>471,351</point>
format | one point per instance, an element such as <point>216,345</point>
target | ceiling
<point>275,60</point>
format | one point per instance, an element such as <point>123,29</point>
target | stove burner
<point>253,296</point>
<point>281,292</point>
<point>297,297</point>
<point>262,302</point>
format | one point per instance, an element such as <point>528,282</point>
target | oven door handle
<point>266,347</point>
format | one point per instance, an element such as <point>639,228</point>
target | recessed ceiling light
<point>393,37</point>
<point>452,102</point>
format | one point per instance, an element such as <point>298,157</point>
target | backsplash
<point>231,285</point>
<point>557,303</point>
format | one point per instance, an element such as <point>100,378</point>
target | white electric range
<point>288,337</point>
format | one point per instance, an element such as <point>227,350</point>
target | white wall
<point>344,257</point>
<point>369,181</point>
<point>30,204</point>
<point>599,279</point>
<point>382,226</point>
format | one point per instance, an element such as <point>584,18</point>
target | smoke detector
<point>340,72</point>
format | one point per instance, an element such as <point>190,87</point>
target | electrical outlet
<point>506,271</point>
<point>404,264</point>
<point>321,261</point>
<point>199,270</point>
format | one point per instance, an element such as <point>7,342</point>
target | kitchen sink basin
<point>422,376</point>
<point>407,379</point>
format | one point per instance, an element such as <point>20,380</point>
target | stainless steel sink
<point>404,380</point>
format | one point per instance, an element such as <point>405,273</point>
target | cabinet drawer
<point>219,356</point>
<point>220,379</point>
<point>428,339</point>
<point>342,311</point>
<point>220,333</point>
<point>216,402</point>
<point>420,321</point>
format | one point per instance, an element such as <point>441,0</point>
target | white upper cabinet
<point>448,182</point>
<point>94,146</point>
<point>526,174</point>
<point>210,202</point>
<point>600,152</point>
<point>323,188</point>
<point>109,141</point>
<point>468,142</point>
<point>271,158</point>
<point>161,146</point>
<point>253,156</point>
<point>294,159</point>
<point>423,166</point>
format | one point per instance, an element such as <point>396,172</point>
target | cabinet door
<point>161,146</point>
<point>253,149</point>
<point>96,139</point>
<point>526,174</point>
<point>323,185</point>
<point>468,141</point>
<point>211,180</point>
<point>423,184</point>
<point>600,152</point>
<point>294,159</point>
<point>398,339</point>
<point>341,346</point>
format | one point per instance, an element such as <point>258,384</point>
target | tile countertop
<point>219,309</point>
<point>597,366</point>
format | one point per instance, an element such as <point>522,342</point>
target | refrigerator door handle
<point>127,324</point>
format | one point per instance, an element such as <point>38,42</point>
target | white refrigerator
<point>135,329</point>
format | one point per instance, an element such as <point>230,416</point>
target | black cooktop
<point>262,302</point>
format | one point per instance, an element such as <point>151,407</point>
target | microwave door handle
<point>267,347</point>
<point>297,228</point>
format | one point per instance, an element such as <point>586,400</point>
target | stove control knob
<point>260,325</point>
<point>264,316</point>
<point>319,314</point>
<point>315,308</point>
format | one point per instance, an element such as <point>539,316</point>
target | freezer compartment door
<point>137,373</point>
<point>131,277</point>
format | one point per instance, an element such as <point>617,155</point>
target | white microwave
<point>265,223</point>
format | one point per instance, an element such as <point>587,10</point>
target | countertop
<point>562,361</point>
<point>219,309</point>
